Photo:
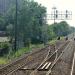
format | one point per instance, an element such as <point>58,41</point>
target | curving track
<point>65,65</point>
<point>50,61</point>
<point>44,66</point>
<point>60,55</point>
<point>14,66</point>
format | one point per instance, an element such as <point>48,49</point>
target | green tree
<point>30,22</point>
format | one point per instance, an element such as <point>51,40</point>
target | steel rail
<point>49,72</point>
<point>49,56</point>
<point>19,63</point>
<point>73,62</point>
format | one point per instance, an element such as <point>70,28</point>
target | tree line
<point>59,29</point>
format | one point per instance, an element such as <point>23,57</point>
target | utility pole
<point>15,43</point>
<point>73,32</point>
<point>54,10</point>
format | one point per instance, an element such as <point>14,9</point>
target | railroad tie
<point>48,65</point>
<point>44,65</point>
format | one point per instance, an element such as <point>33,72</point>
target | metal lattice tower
<point>59,15</point>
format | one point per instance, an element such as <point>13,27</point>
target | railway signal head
<point>66,14</point>
<point>56,15</point>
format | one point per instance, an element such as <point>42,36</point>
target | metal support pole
<point>15,44</point>
<point>73,32</point>
<point>54,9</point>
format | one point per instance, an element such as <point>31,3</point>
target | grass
<point>52,41</point>
<point>17,54</point>
<point>21,51</point>
<point>3,60</point>
<point>26,49</point>
<point>62,38</point>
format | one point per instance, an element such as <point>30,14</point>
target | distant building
<point>3,34</point>
<point>4,39</point>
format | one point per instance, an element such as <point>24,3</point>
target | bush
<point>4,48</point>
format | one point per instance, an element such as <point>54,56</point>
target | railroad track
<point>62,65</point>
<point>49,71</point>
<point>73,62</point>
<point>50,60</point>
<point>23,61</point>
<point>14,66</point>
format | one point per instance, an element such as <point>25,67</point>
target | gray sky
<point>61,5</point>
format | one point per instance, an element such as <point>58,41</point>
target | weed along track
<point>18,64</point>
<point>41,62</point>
<point>36,38</point>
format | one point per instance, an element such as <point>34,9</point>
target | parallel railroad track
<point>73,62</point>
<point>14,66</point>
<point>50,60</point>
<point>49,71</point>
<point>20,63</point>
<point>62,65</point>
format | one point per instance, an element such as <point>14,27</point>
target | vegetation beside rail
<point>29,27</point>
<point>11,55</point>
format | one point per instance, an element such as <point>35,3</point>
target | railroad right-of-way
<point>46,67</point>
<point>66,64</point>
<point>59,60</point>
<point>73,63</point>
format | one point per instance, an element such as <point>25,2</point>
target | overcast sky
<point>61,5</point>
